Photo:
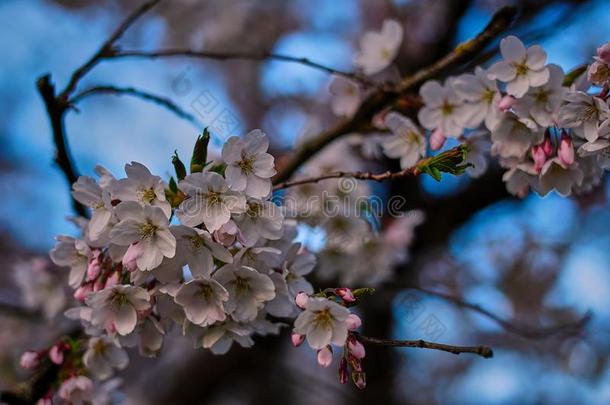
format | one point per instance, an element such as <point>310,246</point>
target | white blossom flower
<point>521,68</point>
<point>379,49</point>
<point>248,291</point>
<point>542,103</point>
<point>202,300</point>
<point>599,147</point>
<point>74,253</point>
<point>77,391</point>
<point>519,178</point>
<point>249,166</point>
<point>89,193</point>
<point>146,229</point>
<point>346,96</point>
<point>261,258</point>
<point>116,308</point>
<point>141,186</point>
<point>406,142</point>
<point>152,336</point>
<point>262,219</point>
<point>481,96</point>
<point>323,322</point>
<point>442,110</point>
<point>555,175</point>
<point>585,114</point>
<point>513,136</point>
<point>210,201</point>
<point>220,337</point>
<point>196,248</point>
<point>103,355</point>
<point>40,289</point>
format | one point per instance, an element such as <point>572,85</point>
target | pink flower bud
<point>56,354</point>
<point>297,339</point>
<point>81,292</point>
<point>325,356</point>
<point>45,401</point>
<point>539,157</point>
<point>227,234</point>
<point>29,360</point>
<point>603,53</point>
<point>343,374</point>
<point>598,73</point>
<point>359,379</point>
<point>506,103</point>
<point>356,348</point>
<point>547,146</point>
<point>346,294</point>
<point>353,322</point>
<point>113,279</point>
<point>565,152</point>
<point>437,139</point>
<point>98,285</point>
<point>131,257</point>
<point>95,266</point>
<point>301,300</point>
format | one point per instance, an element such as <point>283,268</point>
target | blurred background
<point>538,261</point>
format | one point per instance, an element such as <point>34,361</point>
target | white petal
<point>536,57</point>
<point>512,49</point>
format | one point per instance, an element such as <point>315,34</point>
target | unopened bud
<point>356,348</point>
<point>56,354</point>
<point>81,292</point>
<point>359,379</point>
<point>345,294</point>
<point>297,339</point>
<point>547,146</point>
<point>506,103</point>
<point>343,373</point>
<point>29,360</point>
<point>437,139</point>
<point>539,157</point>
<point>113,279</point>
<point>565,152</point>
<point>301,300</point>
<point>325,356</point>
<point>353,322</point>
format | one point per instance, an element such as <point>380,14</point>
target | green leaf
<point>219,168</point>
<point>200,152</point>
<point>172,185</point>
<point>452,161</point>
<point>178,166</point>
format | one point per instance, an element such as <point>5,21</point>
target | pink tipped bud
<point>547,146</point>
<point>539,157</point>
<point>56,354</point>
<point>301,300</point>
<point>131,257</point>
<point>437,139</point>
<point>346,294</point>
<point>353,322</point>
<point>297,339</point>
<point>565,152</point>
<point>81,292</point>
<point>45,401</point>
<point>359,379</point>
<point>113,279</point>
<point>325,356</point>
<point>356,348</point>
<point>506,103</point>
<point>343,374</point>
<point>29,360</point>
<point>603,53</point>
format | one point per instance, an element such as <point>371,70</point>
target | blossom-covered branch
<point>132,91</point>
<point>482,351</point>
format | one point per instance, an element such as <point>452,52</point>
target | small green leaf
<point>451,161</point>
<point>200,152</point>
<point>178,166</point>
<point>219,168</point>
<point>172,185</point>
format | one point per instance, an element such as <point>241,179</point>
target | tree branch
<point>132,91</point>
<point>383,98</point>
<point>258,56</point>
<point>106,49</point>
<point>512,326</point>
<point>482,351</point>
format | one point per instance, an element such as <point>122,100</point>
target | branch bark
<point>482,351</point>
<point>383,98</point>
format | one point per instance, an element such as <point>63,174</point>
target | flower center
<point>206,291</point>
<point>385,53</point>
<point>412,137</point>
<point>253,210</point>
<point>521,69</point>
<point>119,299</point>
<point>197,241</point>
<point>323,318</point>
<point>446,108</point>
<point>241,286</point>
<point>99,348</point>
<point>147,230</point>
<point>541,96</point>
<point>589,112</point>
<point>214,197</point>
<point>488,96</point>
<point>148,195</point>
<point>246,165</point>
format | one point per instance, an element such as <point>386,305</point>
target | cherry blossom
<point>103,355</point>
<point>202,301</point>
<point>116,308</point>
<point>323,322</point>
<point>407,143</point>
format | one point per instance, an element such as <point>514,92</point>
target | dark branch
<point>381,98</point>
<point>106,49</point>
<point>482,351</point>
<point>259,56</point>
<point>131,91</point>
<point>513,326</point>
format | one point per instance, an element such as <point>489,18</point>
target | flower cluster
<point>210,256</point>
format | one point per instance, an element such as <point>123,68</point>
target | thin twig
<point>257,55</point>
<point>482,351</point>
<point>106,49</point>
<point>132,91</point>
<point>513,326</point>
<point>382,98</point>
